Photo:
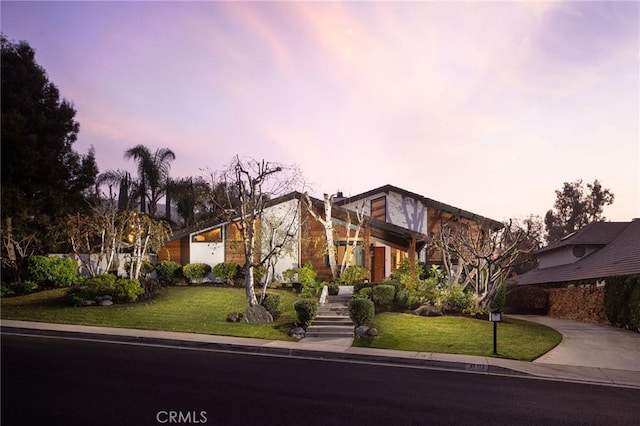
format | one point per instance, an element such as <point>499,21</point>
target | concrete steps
<point>332,320</point>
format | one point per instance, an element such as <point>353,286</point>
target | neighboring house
<point>397,225</point>
<point>588,256</point>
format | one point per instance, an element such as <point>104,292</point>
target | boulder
<point>105,303</point>
<point>297,332</point>
<point>257,315</point>
<point>234,317</point>
<point>373,332</point>
<point>361,331</point>
<point>428,311</point>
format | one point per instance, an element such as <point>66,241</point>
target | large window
<point>211,236</point>
<point>358,253</point>
<point>379,209</point>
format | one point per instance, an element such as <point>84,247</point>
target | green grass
<point>521,340</point>
<point>187,309</point>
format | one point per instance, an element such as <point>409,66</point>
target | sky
<point>487,106</point>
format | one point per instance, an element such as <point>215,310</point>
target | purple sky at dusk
<point>489,107</point>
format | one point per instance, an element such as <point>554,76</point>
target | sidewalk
<point>332,349</point>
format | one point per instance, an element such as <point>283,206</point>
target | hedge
<point>622,302</point>
<point>361,311</point>
<point>306,310</point>
<point>52,271</point>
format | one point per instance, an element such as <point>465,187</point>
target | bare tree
<point>254,183</point>
<point>146,235</point>
<point>16,247</point>
<point>481,258</point>
<point>327,223</point>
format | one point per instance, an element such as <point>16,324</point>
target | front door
<point>378,272</point>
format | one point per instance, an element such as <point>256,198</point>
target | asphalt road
<point>50,381</point>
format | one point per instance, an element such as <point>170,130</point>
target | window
<point>212,236</point>
<point>379,209</point>
<point>358,253</point>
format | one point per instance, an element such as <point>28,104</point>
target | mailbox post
<point>495,318</point>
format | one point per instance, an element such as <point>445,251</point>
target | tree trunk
<point>252,300</point>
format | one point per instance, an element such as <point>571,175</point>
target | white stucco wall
<point>401,211</point>
<point>283,216</point>
<point>209,253</point>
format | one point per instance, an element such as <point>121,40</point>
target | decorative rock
<point>361,331</point>
<point>105,303</point>
<point>297,332</point>
<point>234,317</point>
<point>373,332</point>
<point>257,315</point>
<point>88,303</point>
<point>428,311</point>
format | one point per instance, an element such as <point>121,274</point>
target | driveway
<point>590,345</point>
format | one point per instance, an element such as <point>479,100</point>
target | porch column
<point>412,257</point>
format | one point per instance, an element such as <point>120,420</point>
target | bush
<point>306,311</point>
<point>401,298</point>
<point>334,288</point>
<point>310,290</point>
<point>145,269</point>
<point>120,289</point>
<point>227,272</point>
<point>382,295</point>
<point>617,292</point>
<point>361,311</point>
<point>168,272</point>
<point>306,274</point>
<point>18,288</point>
<point>364,293</point>
<point>359,286</point>
<point>52,271</point>
<point>527,299</point>
<point>453,299</point>
<point>634,308</point>
<point>353,274</point>
<point>273,303</point>
<point>196,272</point>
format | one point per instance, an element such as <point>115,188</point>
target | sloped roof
<point>426,201</point>
<point>597,233</point>
<point>620,257</point>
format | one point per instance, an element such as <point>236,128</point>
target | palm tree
<point>153,172</point>
<point>127,187</point>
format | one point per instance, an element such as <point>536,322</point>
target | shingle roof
<point>596,233</point>
<point>621,256</point>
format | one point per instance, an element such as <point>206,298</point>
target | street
<point>51,381</point>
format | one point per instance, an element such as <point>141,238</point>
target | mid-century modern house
<point>588,256</point>
<point>398,224</point>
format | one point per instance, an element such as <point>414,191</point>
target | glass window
<point>212,236</point>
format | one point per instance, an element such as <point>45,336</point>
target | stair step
<point>328,334</point>
<point>332,321</point>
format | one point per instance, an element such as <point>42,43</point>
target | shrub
<point>18,288</point>
<point>353,274</point>
<point>310,290</point>
<point>401,298</point>
<point>453,299</point>
<point>334,288</point>
<point>361,311</point>
<point>617,292</point>
<point>527,299</point>
<point>273,303</point>
<point>634,308</point>
<point>306,274</point>
<point>120,289</point>
<point>359,286</point>
<point>52,271</point>
<point>196,272</point>
<point>382,295</point>
<point>306,311</point>
<point>227,272</point>
<point>145,269</point>
<point>498,302</point>
<point>364,293</point>
<point>168,272</point>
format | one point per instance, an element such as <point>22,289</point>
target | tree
<point>254,183</point>
<point>327,223</point>
<point>121,180</point>
<point>576,207</point>
<point>43,178</point>
<point>480,258</point>
<point>153,172</point>
<point>188,196</point>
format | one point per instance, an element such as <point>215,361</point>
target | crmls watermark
<point>181,417</point>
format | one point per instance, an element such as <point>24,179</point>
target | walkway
<point>590,345</point>
<point>332,327</point>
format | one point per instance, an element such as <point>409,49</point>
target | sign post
<point>495,318</point>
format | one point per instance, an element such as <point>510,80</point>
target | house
<point>588,256</point>
<point>397,225</point>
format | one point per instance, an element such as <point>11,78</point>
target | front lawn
<point>187,309</point>
<point>517,339</point>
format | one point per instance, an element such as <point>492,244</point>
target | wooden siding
<point>176,251</point>
<point>233,246</point>
<point>379,209</point>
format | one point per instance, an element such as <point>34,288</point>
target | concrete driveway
<point>590,345</point>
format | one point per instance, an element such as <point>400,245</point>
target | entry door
<point>378,272</point>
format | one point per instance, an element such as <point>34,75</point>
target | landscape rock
<point>234,317</point>
<point>373,332</point>
<point>297,332</point>
<point>105,303</point>
<point>257,315</point>
<point>361,331</point>
<point>428,311</point>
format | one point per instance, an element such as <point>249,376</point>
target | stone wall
<point>584,304</point>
